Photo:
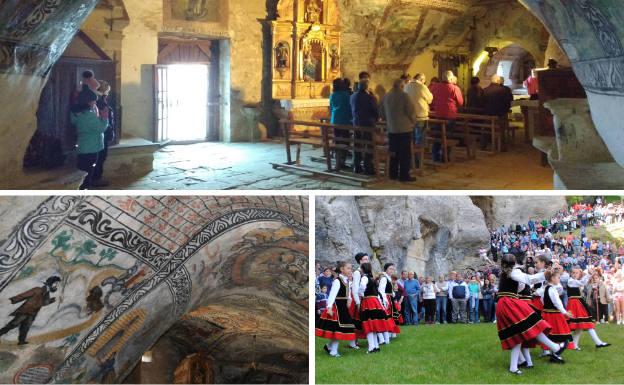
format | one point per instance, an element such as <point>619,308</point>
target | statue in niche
<point>309,64</point>
<point>313,12</point>
<point>282,57</point>
<point>196,9</point>
<point>335,58</point>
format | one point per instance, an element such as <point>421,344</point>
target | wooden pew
<point>322,135</point>
<point>483,124</point>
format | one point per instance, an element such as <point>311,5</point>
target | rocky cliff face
<point>508,210</point>
<point>430,235</point>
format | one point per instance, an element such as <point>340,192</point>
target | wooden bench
<point>322,135</point>
<point>474,124</point>
<point>309,136</point>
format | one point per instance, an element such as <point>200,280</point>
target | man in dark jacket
<point>365,114</point>
<point>34,299</point>
<point>497,102</point>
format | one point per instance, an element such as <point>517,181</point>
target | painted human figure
<point>196,9</point>
<point>335,59</point>
<point>282,55</point>
<point>34,299</point>
<point>313,12</point>
<point>309,65</point>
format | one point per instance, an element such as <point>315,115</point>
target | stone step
<point>132,157</point>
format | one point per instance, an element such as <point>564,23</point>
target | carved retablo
<point>306,49</point>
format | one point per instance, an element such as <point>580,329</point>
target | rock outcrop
<point>429,235</point>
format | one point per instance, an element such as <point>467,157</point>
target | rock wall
<point>225,270</point>
<point>430,235</point>
<point>507,210</point>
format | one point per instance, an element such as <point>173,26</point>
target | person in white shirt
<point>360,258</point>
<point>386,291</point>
<point>554,312</point>
<point>421,97</point>
<point>335,322</point>
<point>516,320</point>
<point>372,312</point>
<point>429,297</point>
<point>580,318</point>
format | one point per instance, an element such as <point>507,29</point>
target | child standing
<point>90,129</point>
<point>373,315</point>
<point>336,323</point>
<point>580,318</point>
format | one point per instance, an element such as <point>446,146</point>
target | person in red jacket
<point>447,99</point>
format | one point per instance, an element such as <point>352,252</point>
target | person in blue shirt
<point>412,289</point>
<point>327,278</point>
<point>341,114</point>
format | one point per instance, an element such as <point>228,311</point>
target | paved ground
<point>219,166</point>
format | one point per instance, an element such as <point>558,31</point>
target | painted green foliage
<point>63,244</point>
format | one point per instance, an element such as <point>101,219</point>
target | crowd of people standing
<point>406,108</point>
<point>577,270</point>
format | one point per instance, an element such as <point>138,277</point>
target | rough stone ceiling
<point>396,31</point>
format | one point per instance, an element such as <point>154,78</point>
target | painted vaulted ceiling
<point>130,269</point>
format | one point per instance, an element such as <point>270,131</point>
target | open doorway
<point>183,102</point>
<point>187,97</point>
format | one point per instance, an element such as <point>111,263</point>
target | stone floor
<point>219,166</point>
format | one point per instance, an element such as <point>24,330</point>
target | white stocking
<point>546,341</point>
<point>526,353</point>
<point>372,341</point>
<point>576,337</point>
<point>386,337</point>
<point>353,343</point>
<point>515,354</point>
<point>380,338</point>
<point>594,336</point>
<point>333,347</point>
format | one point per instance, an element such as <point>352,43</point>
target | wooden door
<point>53,124</point>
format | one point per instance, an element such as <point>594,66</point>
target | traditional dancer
<point>580,318</point>
<point>517,322</point>
<point>354,309</point>
<point>335,323</point>
<point>385,289</point>
<point>554,312</point>
<point>372,312</point>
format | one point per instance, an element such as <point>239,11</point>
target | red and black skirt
<point>517,322</point>
<point>392,312</point>
<point>338,326</point>
<point>374,317</point>
<point>581,319</point>
<point>536,303</point>
<point>559,329</point>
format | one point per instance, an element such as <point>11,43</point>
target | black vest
<point>507,287</point>
<point>549,306</point>
<point>371,289</point>
<point>388,289</point>
<point>574,292</point>
<point>343,292</point>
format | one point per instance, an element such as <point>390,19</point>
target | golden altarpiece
<point>305,56</point>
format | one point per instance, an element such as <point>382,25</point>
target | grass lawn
<point>600,233</point>
<point>467,354</point>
